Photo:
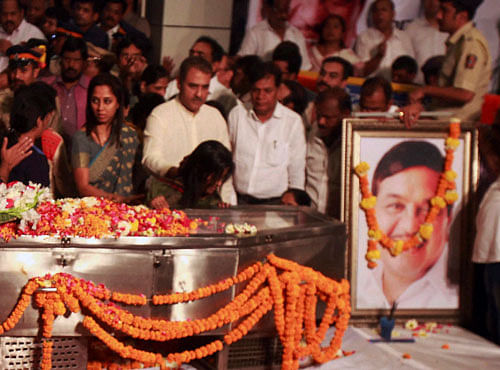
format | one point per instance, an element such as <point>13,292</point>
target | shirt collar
<point>272,29</point>
<point>278,113</point>
<point>184,111</point>
<point>16,30</point>
<point>453,39</point>
<point>83,81</point>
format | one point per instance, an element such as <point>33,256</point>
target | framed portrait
<point>405,168</point>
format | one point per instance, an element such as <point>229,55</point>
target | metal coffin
<point>164,265</point>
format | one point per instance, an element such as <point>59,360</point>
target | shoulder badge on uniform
<point>470,61</point>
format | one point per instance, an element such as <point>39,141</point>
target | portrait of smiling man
<point>404,181</point>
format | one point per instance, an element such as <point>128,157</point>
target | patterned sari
<point>111,168</point>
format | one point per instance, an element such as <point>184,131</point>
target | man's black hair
<point>347,69</point>
<point>153,73</point>
<point>217,50</point>
<point>263,70</point>
<point>373,84</point>
<point>406,63</point>
<point>468,6</point>
<point>404,155</point>
<point>75,44</point>
<point>141,43</point>
<point>96,4</point>
<point>289,52</point>
<point>123,3</point>
<point>340,95</point>
<point>193,62</point>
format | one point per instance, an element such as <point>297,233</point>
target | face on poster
<point>419,278</point>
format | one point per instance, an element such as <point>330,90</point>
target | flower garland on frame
<point>293,294</point>
<point>445,195</point>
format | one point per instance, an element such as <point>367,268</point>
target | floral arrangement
<point>92,217</point>
<point>445,195</point>
<point>290,289</point>
<point>18,201</point>
<point>240,229</point>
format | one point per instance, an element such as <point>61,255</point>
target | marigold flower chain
<point>293,294</point>
<point>446,195</point>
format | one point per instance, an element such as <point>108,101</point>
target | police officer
<point>465,75</point>
<point>23,69</point>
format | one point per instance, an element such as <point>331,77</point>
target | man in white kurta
<point>175,128</point>
<point>263,38</point>
<point>14,29</point>
<point>269,145</point>
<point>426,39</point>
<point>382,44</point>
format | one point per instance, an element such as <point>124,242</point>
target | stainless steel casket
<point>173,264</point>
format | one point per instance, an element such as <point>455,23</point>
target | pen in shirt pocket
<point>275,143</point>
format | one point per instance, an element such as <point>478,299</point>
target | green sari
<point>110,166</point>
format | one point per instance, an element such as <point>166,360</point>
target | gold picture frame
<point>368,140</point>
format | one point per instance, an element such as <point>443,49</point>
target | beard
<point>70,75</point>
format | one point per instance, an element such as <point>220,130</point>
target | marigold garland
<point>445,195</point>
<point>293,294</point>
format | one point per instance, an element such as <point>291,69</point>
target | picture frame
<point>423,284</point>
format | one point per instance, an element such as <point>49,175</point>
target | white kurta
<point>261,40</point>
<point>398,44</point>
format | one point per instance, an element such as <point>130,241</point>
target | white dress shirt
<point>172,132</point>
<point>261,40</point>
<point>110,34</point>
<point>433,290</point>
<point>398,44</point>
<point>269,156</point>
<point>216,91</point>
<point>487,243</point>
<point>23,33</point>
<point>427,42</point>
<point>323,173</point>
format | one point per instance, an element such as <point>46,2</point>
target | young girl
<point>199,178</point>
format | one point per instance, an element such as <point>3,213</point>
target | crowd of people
<point>85,111</point>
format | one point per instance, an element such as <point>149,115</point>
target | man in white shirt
<point>324,148</point>
<point>14,29</point>
<point>263,38</point>
<point>269,145</point>
<point>404,181</point>
<point>210,50</point>
<point>380,45</point>
<point>174,129</point>
<point>426,39</point>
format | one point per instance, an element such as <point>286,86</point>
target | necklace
<point>445,195</point>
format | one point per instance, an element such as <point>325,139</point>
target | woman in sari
<point>105,150</point>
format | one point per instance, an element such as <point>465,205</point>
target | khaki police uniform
<point>467,65</point>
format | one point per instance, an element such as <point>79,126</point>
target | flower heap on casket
<point>88,217</point>
<point>446,194</point>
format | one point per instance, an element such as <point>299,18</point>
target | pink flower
<point>10,203</point>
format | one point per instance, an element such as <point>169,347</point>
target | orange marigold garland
<point>446,194</point>
<point>292,293</point>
